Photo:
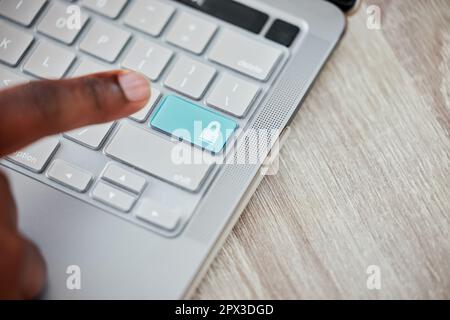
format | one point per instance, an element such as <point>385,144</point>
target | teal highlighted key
<point>187,121</point>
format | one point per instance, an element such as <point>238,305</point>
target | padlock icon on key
<point>211,133</point>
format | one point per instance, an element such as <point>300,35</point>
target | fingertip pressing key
<point>134,86</point>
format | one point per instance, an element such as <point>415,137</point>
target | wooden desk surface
<point>364,177</point>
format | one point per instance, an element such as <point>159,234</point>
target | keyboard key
<point>142,114</point>
<point>13,43</point>
<point>149,16</point>
<point>69,176</point>
<point>105,41</point>
<point>191,33</point>
<point>195,124</point>
<point>157,156</point>
<point>58,24</point>
<point>109,8</point>
<point>9,78</point>
<point>283,32</point>
<point>148,58</point>
<point>124,178</point>
<point>87,66</point>
<point>233,95</point>
<point>151,212</point>
<point>190,77</point>
<point>91,136</point>
<point>237,52</point>
<point>21,11</point>
<point>113,197</point>
<point>49,61</point>
<point>36,156</point>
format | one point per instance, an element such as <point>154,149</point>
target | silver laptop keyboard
<point>124,167</point>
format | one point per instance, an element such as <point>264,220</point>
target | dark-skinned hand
<point>37,109</point>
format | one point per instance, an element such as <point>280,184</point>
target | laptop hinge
<point>345,5</point>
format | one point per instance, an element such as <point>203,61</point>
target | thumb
<point>33,271</point>
<point>37,109</point>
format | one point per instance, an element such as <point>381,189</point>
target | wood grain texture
<point>364,176</point>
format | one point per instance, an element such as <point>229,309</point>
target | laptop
<point>138,208</point>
